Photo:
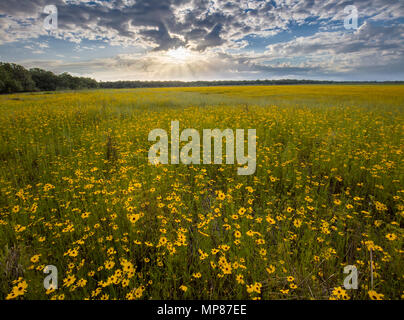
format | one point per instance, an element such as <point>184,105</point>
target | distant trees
<point>65,80</point>
<point>44,80</point>
<point>165,84</point>
<point>15,78</point>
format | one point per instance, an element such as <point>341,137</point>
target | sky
<point>192,40</point>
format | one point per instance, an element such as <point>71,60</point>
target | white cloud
<point>218,28</point>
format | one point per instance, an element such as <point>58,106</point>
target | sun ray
<point>179,55</point>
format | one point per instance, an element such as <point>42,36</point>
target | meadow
<point>77,192</point>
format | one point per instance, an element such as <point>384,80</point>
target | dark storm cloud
<point>162,37</point>
<point>212,39</point>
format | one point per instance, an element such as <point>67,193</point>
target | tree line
<point>160,84</point>
<point>15,78</point>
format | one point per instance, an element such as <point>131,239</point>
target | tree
<point>44,80</point>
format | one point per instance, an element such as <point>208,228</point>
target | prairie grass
<point>77,192</point>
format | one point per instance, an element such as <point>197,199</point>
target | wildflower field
<point>77,192</point>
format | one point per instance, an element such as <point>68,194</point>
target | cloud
<point>371,47</point>
<point>167,24</point>
<point>157,66</point>
<point>212,39</point>
<point>219,33</point>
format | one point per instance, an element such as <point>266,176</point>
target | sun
<point>179,55</point>
<point>181,62</point>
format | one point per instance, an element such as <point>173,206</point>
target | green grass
<point>328,188</point>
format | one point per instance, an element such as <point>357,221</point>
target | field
<point>77,192</point>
